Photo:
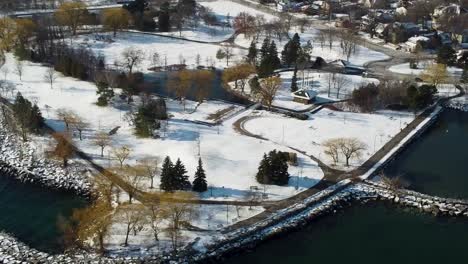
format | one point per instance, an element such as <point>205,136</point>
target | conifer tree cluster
<point>269,60</point>
<point>273,169</point>
<point>174,177</point>
<point>291,51</point>
<point>28,116</point>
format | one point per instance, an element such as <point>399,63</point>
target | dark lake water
<point>216,90</point>
<point>30,213</point>
<point>436,164</point>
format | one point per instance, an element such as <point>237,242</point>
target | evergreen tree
<point>28,116</point>
<point>164,21</point>
<point>278,168</point>
<point>294,81</point>
<point>464,77</point>
<point>252,55</point>
<point>273,56</point>
<point>167,176</point>
<point>199,183</point>
<point>264,49</point>
<point>180,176</point>
<point>37,121</point>
<point>273,169</point>
<point>446,55</point>
<point>105,93</point>
<point>263,170</point>
<point>291,50</point>
<point>269,59</point>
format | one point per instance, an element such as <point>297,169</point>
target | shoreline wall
<point>18,161</point>
<point>351,195</point>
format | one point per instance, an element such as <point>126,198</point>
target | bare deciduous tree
<point>71,15</point>
<point>180,84</point>
<point>121,154</point>
<point>63,148</point>
<point>19,68</point>
<point>268,88</point>
<point>66,116</point>
<point>79,124</point>
<point>50,76</point>
<point>339,82</point>
<point>102,140</point>
<point>348,44</point>
<point>435,74</point>
<point>131,58</point>
<point>332,147</point>
<point>93,223</point>
<point>132,217</point>
<point>351,147</point>
<point>150,166</point>
<point>177,214</point>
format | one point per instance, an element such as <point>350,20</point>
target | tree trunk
<point>101,243</point>
<point>126,235</point>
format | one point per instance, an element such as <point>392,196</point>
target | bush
<point>365,97</point>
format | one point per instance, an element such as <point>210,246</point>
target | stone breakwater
<point>320,205</point>
<point>15,252</point>
<point>20,160</point>
<point>432,204</point>
<point>460,103</point>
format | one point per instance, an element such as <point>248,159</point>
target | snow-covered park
<point>404,68</point>
<point>327,88</point>
<point>230,159</point>
<point>171,51</point>
<point>224,8</point>
<point>361,56</point>
<point>375,130</point>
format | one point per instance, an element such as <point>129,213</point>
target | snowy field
<point>203,32</point>
<point>405,69</point>
<point>176,51</point>
<point>372,129</point>
<point>362,55</point>
<point>230,159</point>
<point>318,81</point>
<point>209,219</point>
<point>224,8</point>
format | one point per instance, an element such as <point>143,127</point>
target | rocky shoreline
<point>330,201</point>
<point>352,194</point>
<point>460,103</point>
<point>20,161</point>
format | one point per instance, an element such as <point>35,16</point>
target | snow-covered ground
<point>209,218</point>
<point>230,159</point>
<point>224,8</point>
<point>203,32</point>
<point>372,129</point>
<point>318,81</point>
<point>404,68</point>
<point>362,55</point>
<point>174,50</point>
